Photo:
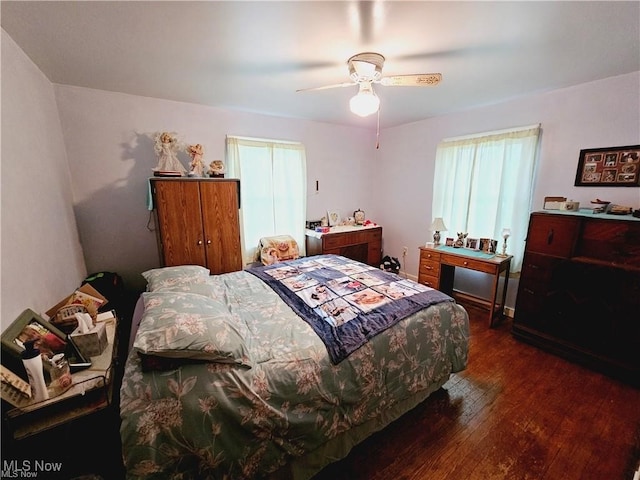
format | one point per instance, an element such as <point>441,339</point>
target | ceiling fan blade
<point>326,87</point>
<point>416,80</point>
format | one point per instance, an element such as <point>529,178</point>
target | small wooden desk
<point>360,243</point>
<point>437,270</point>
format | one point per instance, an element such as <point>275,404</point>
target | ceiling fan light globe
<point>365,103</point>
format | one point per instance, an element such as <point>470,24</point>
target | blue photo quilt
<point>346,302</point>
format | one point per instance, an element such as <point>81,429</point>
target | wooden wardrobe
<point>198,222</point>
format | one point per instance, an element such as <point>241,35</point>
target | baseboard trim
<point>463,297</point>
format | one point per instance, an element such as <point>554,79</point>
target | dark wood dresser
<point>579,291</point>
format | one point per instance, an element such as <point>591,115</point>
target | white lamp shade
<point>365,103</point>
<point>438,225</point>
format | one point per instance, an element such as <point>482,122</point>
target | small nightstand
<point>92,391</point>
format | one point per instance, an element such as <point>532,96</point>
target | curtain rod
<point>495,132</point>
<point>255,139</point>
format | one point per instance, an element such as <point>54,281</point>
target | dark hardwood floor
<point>516,412</point>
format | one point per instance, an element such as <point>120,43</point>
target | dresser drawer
<point>538,267</point>
<point>553,235</point>
<point>468,263</point>
<point>530,299</point>
<point>535,288</point>
<point>610,241</point>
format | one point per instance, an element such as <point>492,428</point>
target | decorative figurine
<point>166,146</point>
<point>197,165</point>
<point>216,169</point>
<point>459,243</point>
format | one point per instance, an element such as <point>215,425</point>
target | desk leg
<point>507,271</point>
<point>500,307</point>
<point>494,295</point>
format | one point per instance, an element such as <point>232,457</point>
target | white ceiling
<point>253,56</point>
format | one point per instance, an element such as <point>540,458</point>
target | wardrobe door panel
<point>179,222</point>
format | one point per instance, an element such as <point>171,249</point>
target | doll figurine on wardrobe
<point>166,147</point>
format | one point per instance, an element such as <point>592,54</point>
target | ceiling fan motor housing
<point>365,67</point>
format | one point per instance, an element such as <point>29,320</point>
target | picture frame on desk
<point>488,245</point>
<point>334,217</point>
<point>49,340</point>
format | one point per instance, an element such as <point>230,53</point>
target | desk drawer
<point>429,280</point>
<point>477,265</point>
<point>429,267</point>
<point>334,240</point>
<point>429,255</point>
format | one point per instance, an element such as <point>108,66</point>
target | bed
<point>247,375</point>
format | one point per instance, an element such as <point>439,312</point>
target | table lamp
<point>437,226</point>
<point>506,233</point>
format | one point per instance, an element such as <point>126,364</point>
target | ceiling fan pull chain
<point>378,131</point>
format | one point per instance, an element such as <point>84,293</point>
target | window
<point>484,183</point>
<point>273,182</point>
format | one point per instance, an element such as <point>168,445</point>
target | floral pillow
<point>190,326</point>
<point>210,287</point>
<point>171,276</point>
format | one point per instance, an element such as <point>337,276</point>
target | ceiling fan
<point>365,69</point>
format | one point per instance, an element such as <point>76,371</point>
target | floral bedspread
<point>220,420</point>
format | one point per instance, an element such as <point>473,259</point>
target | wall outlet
<point>405,250</point>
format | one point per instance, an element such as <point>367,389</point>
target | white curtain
<point>273,183</point>
<point>484,183</point>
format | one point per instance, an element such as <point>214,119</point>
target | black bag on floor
<point>390,264</point>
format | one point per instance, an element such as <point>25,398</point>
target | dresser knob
<point>199,242</point>
<point>465,263</point>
